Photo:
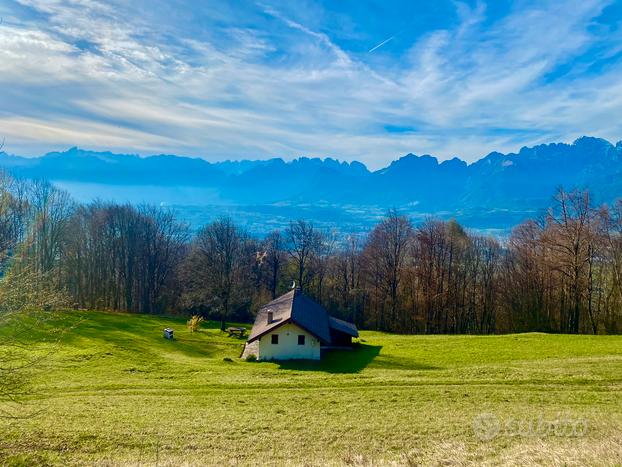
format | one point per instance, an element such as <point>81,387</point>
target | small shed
<point>168,333</point>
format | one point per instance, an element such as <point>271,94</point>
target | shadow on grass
<point>141,334</point>
<point>388,362</point>
<point>337,361</point>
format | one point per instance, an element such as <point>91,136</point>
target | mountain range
<point>496,191</point>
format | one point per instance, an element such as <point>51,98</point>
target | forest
<point>560,273</point>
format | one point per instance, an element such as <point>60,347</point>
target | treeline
<point>559,273</point>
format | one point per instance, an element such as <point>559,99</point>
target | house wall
<point>250,349</point>
<point>288,348</point>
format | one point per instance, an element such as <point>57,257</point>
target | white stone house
<point>295,327</point>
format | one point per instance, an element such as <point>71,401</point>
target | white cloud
<point>108,78</point>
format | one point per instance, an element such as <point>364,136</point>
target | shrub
<point>251,358</point>
<point>194,323</point>
<point>227,359</point>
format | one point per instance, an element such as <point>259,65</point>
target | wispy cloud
<point>255,81</point>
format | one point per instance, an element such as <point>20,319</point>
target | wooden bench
<point>236,331</point>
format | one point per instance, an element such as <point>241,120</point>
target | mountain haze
<point>495,192</point>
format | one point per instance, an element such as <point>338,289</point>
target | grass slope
<point>113,391</point>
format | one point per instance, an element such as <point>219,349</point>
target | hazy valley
<point>492,194</point>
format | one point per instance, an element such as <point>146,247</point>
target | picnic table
<point>236,331</point>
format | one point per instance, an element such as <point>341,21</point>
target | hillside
<point>497,191</point>
<point>114,392</point>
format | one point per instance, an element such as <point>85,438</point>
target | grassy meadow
<point>112,391</point>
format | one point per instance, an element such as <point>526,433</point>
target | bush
<point>194,323</point>
<point>251,358</point>
<point>227,359</point>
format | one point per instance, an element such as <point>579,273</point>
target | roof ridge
<point>296,307</point>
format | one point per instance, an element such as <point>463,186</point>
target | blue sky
<point>352,79</point>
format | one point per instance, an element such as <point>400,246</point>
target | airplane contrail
<point>381,44</point>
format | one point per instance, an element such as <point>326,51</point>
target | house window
<point>301,340</point>
<point>275,338</point>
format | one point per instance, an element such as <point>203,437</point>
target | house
<point>295,327</point>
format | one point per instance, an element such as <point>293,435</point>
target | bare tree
<point>303,241</point>
<point>321,261</point>
<point>51,211</point>
<point>349,293</point>
<point>14,219</point>
<point>387,249</point>
<point>274,260</point>
<point>569,236</point>
<point>122,257</point>
<point>222,246</point>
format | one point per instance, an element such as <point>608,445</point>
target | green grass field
<point>114,392</point>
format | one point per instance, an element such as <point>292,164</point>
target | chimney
<point>270,317</point>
